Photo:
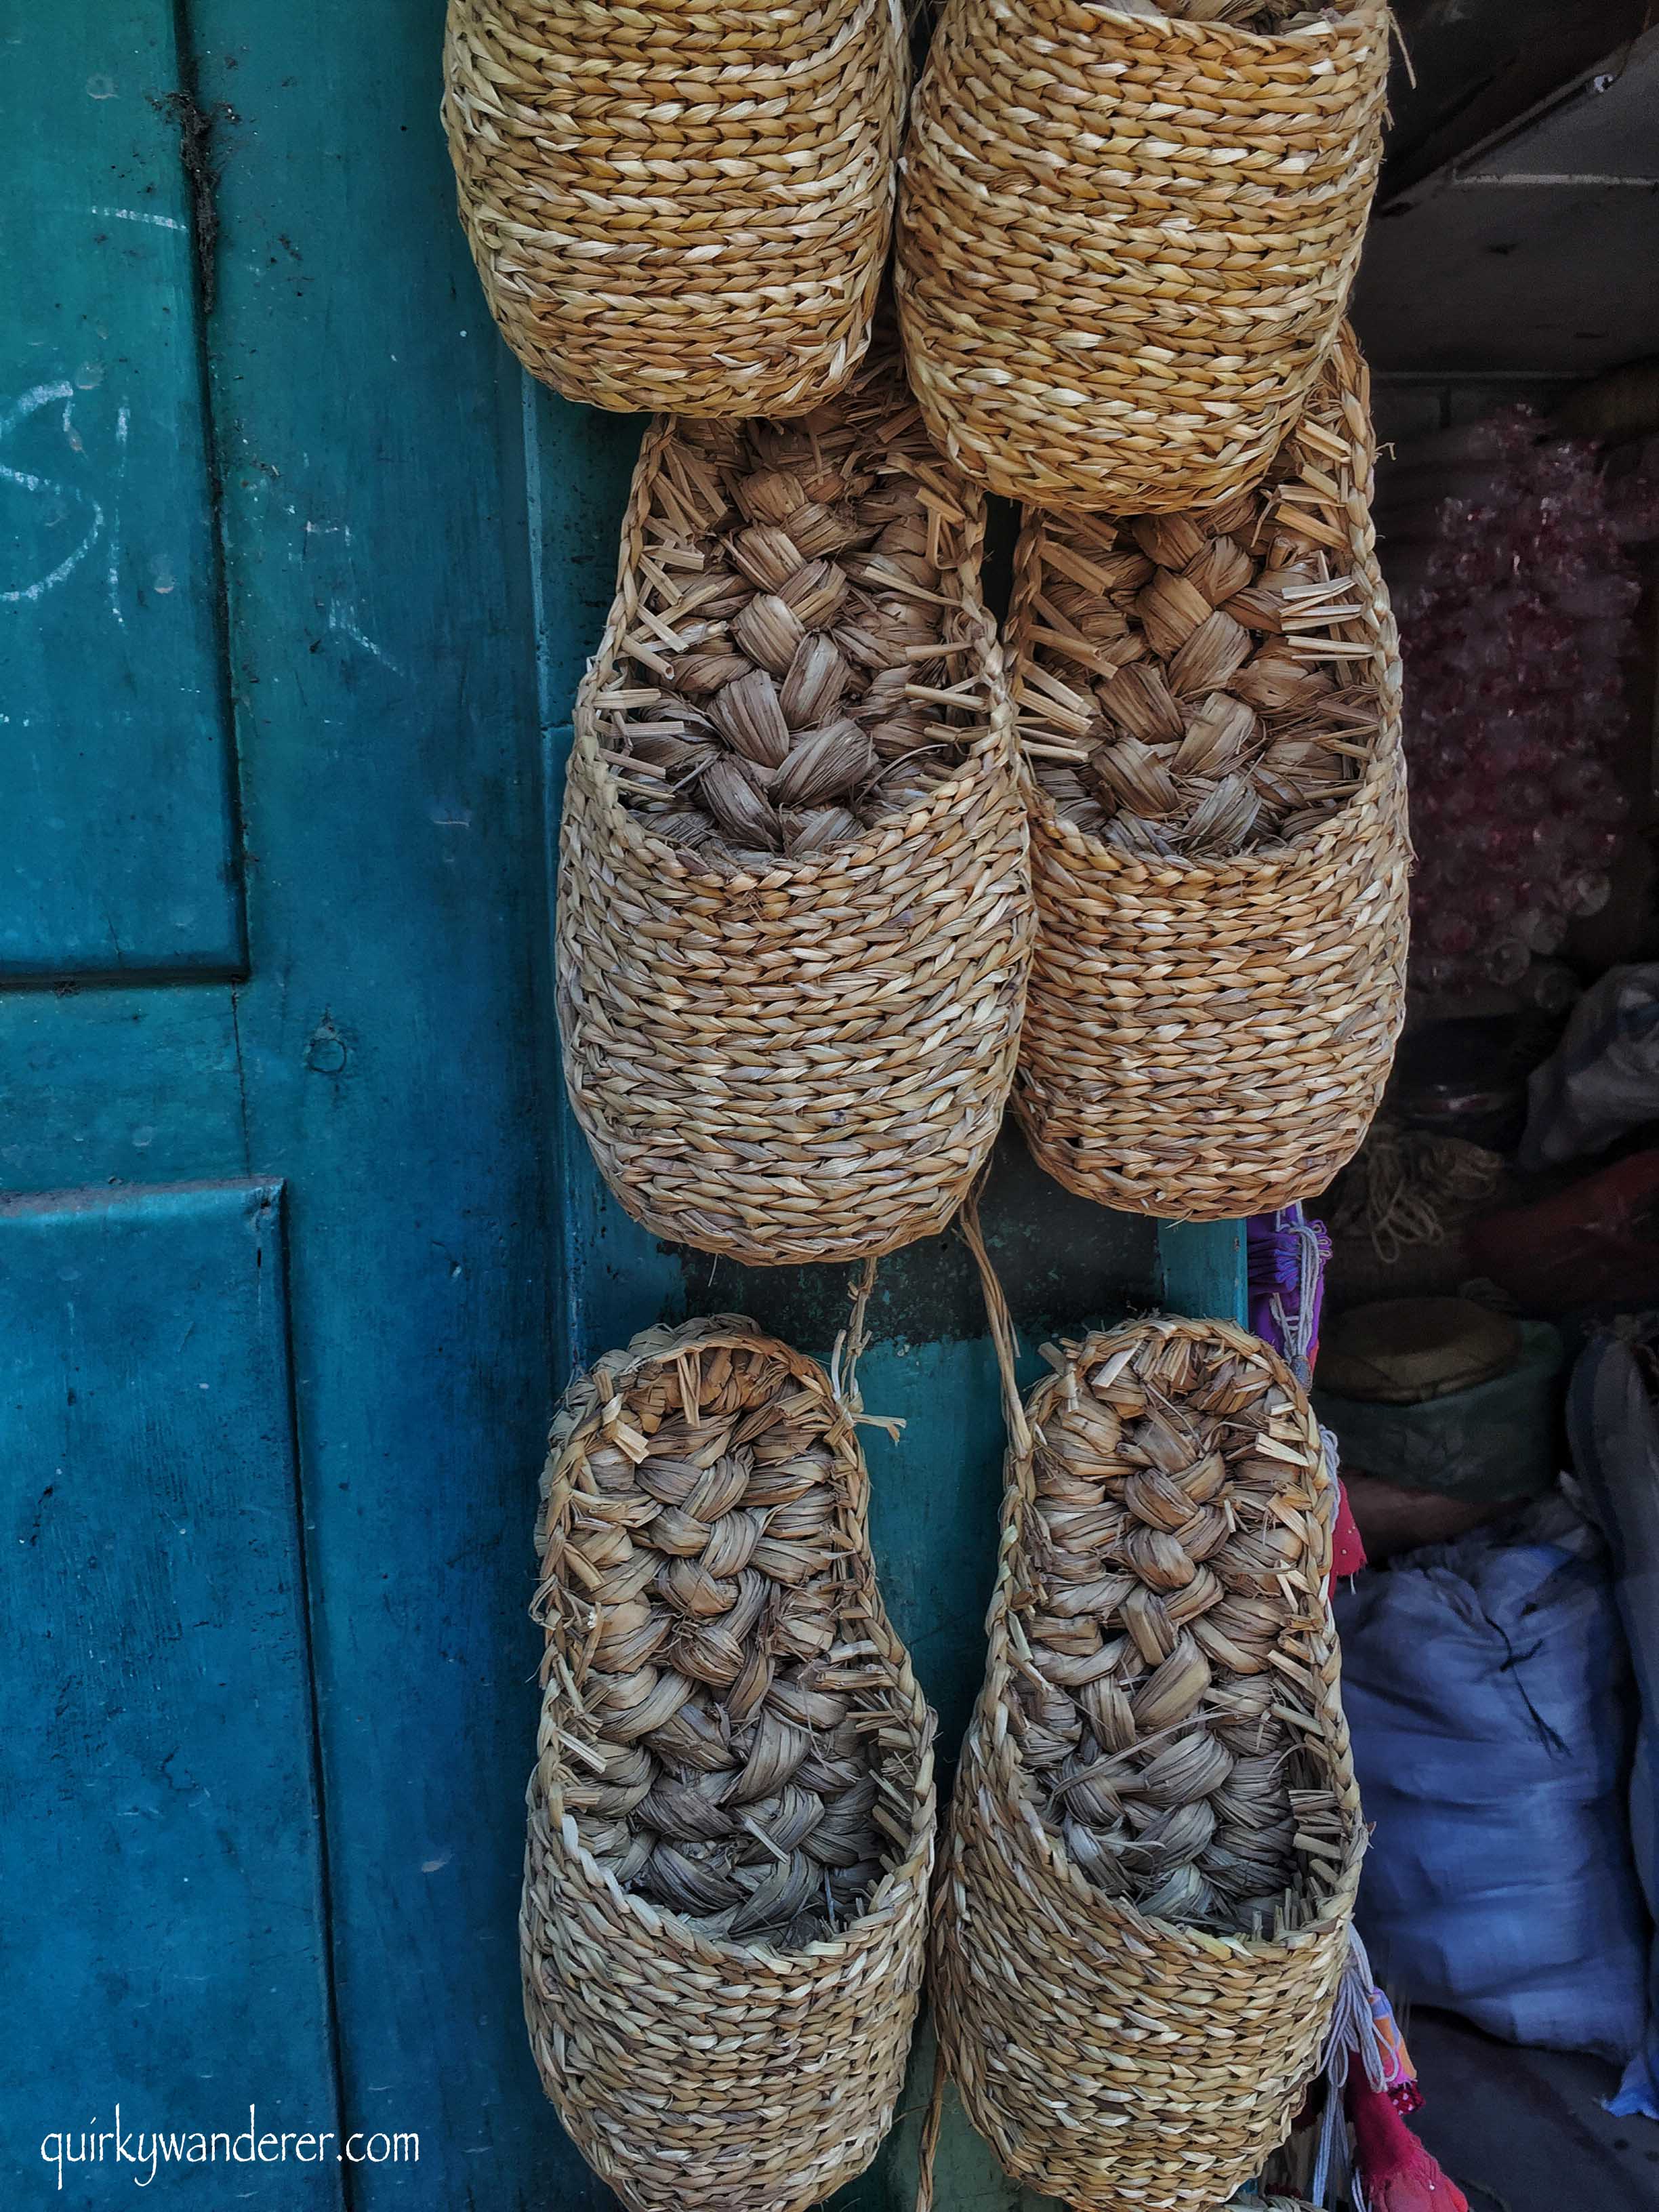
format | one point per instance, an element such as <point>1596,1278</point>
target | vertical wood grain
<point>369,440</point>
<point>1202,1270</point>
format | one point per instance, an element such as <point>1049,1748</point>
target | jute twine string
<point>732,1813</point>
<point>1125,242</point>
<point>1209,1036</point>
<point>684,204</point>
<point>1114,2056</point>
<point>1406,1187</point>
<point>849,1348</point>
<point>808,1061</point>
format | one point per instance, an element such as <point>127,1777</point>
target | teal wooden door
<point>296,1245</point>
<point>274,1256</point>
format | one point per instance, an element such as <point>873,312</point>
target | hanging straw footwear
<point>675,205</point>
<point>1209,708</point>
<point>794,907</point>
<point>1126,238</point>
<point>732,1813</point>
<point>1155,1835</point>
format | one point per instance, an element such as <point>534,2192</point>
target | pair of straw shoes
<point>1138,1925</point>
<point>1124,238</point>
<point>791,1023</point>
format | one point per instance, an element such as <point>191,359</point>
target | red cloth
<point>1398,2174</point>
<point>1347,1544</point>
<point>1595,1243</point>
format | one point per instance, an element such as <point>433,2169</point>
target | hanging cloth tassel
<point>1287,1255</point>
<point>1352,2034</point>
<point>1391,2170</point>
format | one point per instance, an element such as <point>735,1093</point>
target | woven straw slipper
<point>796,1054</point>
<point>1209,1033</point>
<point>732,1813</point>
<point>676,205</point>
<point>1125,241</point>
<point>1158,1766</point>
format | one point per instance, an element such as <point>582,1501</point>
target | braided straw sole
<point>1114,2061</point>
<point>811,1064</point>
<point>678,205</point>
<point>1210,1038</point>
<point>694,2072</point>
<point>1125,244</point>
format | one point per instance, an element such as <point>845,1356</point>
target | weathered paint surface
<point>117,844</point>
<point>159,1843</point>
<point>389,558</point>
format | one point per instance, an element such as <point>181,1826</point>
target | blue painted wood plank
<point>162,1942</point>
<point>613,1277</point>
<point>118,848</point>
<point>396,1031</point>
<point>1202,1267</point>
<point>579,463</point>
<point>115,1086</point>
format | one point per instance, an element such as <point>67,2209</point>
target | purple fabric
<point>1287,1255</point>
<point>1277,1252</point>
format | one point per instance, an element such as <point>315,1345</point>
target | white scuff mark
<point>341,623</point>
<point>39,396</point>
<point>329,530</point>
<point>112,571</point>
<point>138,215</point>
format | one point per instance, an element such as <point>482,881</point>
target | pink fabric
<point>1347,1544</point>
<point>1398,2174</point>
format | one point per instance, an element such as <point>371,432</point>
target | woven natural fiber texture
<point>1208,1037</point>
<point>786,667</point>
<point>678,205</point>
<point>1159,1708</point>
<point>1125,242</point>
<point>1182,685</point>
<point>806,1059</point>
<point>732,1813</point>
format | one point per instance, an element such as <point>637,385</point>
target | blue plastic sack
<point>1615,1449</point>
<point>1488,1688</point>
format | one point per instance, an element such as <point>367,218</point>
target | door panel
<point>160,1943</point>
<point>118,846</point>
<point>131,1085</point>
<point>397,1067</point>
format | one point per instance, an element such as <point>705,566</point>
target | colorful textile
<point>1399,2075</point>
<point>1287,1255</point>
<point>1396,2172</point>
